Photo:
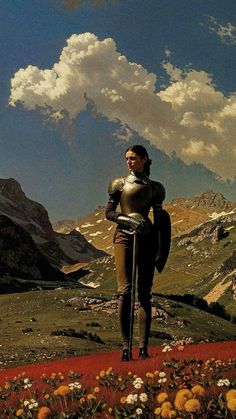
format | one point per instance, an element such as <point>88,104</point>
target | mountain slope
<point>33,217</point>
<point>202,260</point>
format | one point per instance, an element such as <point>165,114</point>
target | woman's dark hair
<point>141,152</point>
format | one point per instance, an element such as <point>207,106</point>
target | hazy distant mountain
<point>33,218</point>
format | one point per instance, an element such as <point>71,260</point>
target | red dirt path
<point>90,365</point>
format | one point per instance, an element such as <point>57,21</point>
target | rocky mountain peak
<point>11,189</point>
<point>215,200</point>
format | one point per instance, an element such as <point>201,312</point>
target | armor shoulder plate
<point>159,192</point>
<point>116,185</point>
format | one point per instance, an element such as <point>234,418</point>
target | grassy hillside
<point>32,324</point>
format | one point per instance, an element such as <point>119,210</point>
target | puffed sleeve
<point>114,190</point>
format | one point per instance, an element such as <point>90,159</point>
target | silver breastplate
<point>136,196</point>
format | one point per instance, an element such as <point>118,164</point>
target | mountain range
<point>202,259</point>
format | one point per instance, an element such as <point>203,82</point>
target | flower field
<point>179,380</point>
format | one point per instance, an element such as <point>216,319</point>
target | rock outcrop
<point>20,256</point>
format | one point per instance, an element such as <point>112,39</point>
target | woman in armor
<point>136,194</point>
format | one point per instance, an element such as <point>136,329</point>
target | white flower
<point>137,383</point>
<point>26,403</point>
<point>143,397</point>
<point>167,348</point>
<point>162,380</point>
<point>27,383</point>
<point>131,398</point>
<point>75,385</point>
<point>139,411</point>
<point>162,374</point>
<point>223,382</point>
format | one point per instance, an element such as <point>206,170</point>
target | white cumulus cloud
<point>227,32</point>
<point>190,116</point>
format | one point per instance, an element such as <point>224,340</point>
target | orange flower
<point>47,396</point>
<point>165,410</point>
<point>108,371</point>
<point>198,390</point>
<point>96,389</point>
<point>181,398</point>
<point>102,373</point>
<point>62,391</point>
<point>231,394</point>
<point>157,411</point>
<point>123,400</point>
<point>82,400</point>
<point>162,397</point>
<point>43,413</point>
<point>90,396</point>
<point>192,405</point>
<point>19,412</point>
<point>149,375</point>
<point>181,348</point>
<point>231,404</point>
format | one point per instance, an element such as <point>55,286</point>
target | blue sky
<point>159,72</point>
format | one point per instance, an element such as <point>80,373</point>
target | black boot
<point>143,353</point>
<point>125,355</point>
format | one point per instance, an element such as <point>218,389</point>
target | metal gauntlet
<point>130,223</point>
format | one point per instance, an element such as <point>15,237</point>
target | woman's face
<point>135,163</point>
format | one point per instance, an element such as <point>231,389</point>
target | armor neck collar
<point>133,176</point>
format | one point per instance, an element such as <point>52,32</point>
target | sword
<point>133,289</point>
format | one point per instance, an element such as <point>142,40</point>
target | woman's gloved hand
<point>131,223</point>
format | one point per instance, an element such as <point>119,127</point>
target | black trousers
<point>123,250</point>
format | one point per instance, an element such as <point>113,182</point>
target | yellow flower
<point>165,410</point>
<point>43,413</point>
<point>231,394</point>
<point>149,375</point>
<point>62,391</point>
<point>162,397</point>
<point>181,348</point>
<point>61,377</point>
<point>123,400</point>
<point>157,411</point>
<point>53,375</point>
<point>19,412</point>
<point>96,389</point>
<point>108,371</point>
<point>231,404</point>
<point>129,373</point>
<point>156,372</point>
<point>181,397</point>
<point>198,390</point>
<point>47,396</point>
<point>192,405</point>
<point>102,373</point>
<point>90,396</point>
